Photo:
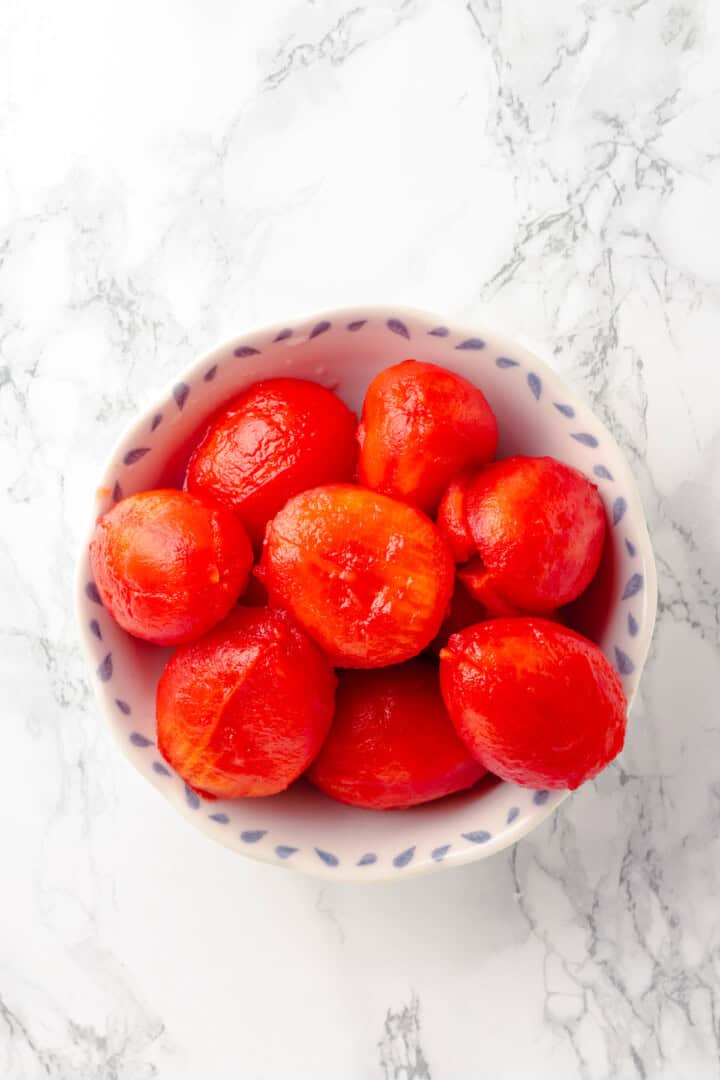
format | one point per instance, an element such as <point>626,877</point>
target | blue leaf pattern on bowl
<point>135,455</point>
<point>404,857</point>
<point>180,393</point>
<point>398,327</point>
<point>137,739</point>
<point>191,798</point>
<point>327,857</point>
<point>618,510</point>
<point>535,385</point>
<point>633,586</point>
<point>624,664</point>
<point>105,668</point>
<point>479,836</point>
<point>91,591</point>
<point>251,836</point>
<point>585,438</point>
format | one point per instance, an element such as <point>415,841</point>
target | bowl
<point>343,350</point>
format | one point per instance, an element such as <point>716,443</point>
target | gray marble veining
<point>169,174</point>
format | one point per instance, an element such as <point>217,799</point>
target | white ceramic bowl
<point>343,350</point>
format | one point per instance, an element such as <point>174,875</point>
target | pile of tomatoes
<point>375,605</point>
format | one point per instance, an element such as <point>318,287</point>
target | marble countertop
<point>171,173</point>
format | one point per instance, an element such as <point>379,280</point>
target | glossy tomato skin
<point>533,701</point>
<point>539,528</point>
<point>392,743</point>
<point>479,583</point>
<point>464,611</point>
<point>244,710</point>
<point>367,577</point>
<point>452,520</point>
<point>276,439</point>
<point>168,565</point>
<point>421,425</point>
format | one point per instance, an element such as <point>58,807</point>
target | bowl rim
<point>513,832</point>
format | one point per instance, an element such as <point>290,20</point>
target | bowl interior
<point>343,350</point>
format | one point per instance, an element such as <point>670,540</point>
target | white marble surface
<point>172,171</point>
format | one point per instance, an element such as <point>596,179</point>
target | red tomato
<point>420,425</point>
<point>369,578</point>
<point>534,702</point>
<point>168,566</point>
<point>392,743</point>
<point>278,438</point>
<point>539,528</point>
<point>244,710</point>
<point>451,519</point>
